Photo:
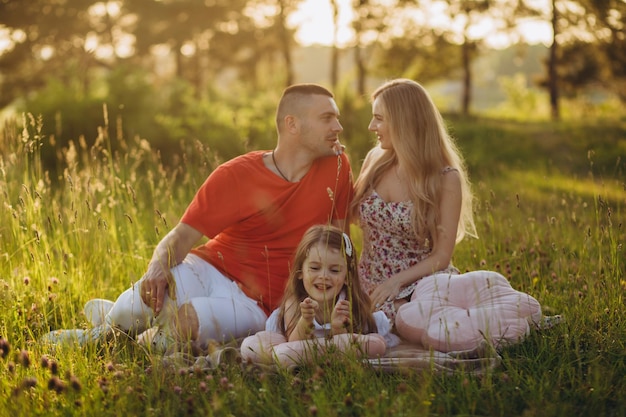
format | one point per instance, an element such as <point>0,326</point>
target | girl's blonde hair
<point>362,319</point>
<point>423,148</point>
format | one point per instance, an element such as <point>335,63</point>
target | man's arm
<point>170,252</point>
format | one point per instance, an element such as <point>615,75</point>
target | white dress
<point>383,326</point>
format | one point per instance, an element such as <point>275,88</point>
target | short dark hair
<point>290,99</point>
<point>307,89</point>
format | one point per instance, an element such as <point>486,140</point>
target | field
<point>550,211</point>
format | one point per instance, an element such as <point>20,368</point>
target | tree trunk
<point>467,78</point>
<point>285,44</point>
<point>361,71</point>
<point>552,64</point>
<point>334,58</point>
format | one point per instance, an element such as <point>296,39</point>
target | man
<point>254,209</point>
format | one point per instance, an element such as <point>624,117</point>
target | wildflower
<point>29,382</point>
<point>5,347</point>
<point>54,367</point>
<point>24,358</point>
<point>55,384</point>
<point>313,410</point>
<point>26,280</point>
<point>103,383</point>
<point>177,390</point>
<point>75,383</point>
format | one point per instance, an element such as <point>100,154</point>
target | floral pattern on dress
<point>389,245</point>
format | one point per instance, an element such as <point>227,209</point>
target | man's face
<point>320,127</point>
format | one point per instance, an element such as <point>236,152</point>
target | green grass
<point>550,210</point>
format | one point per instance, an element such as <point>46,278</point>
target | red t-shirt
<point>254,219</point>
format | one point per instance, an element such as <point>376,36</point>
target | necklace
<point>278,169</point>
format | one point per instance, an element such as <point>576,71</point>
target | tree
<point>49,39</point>
<point>193,31</point>
<point>606,20</point>
<point>588,49</point>
<point>369,27</point>
<point>553,86</point>
<point>420,53</point>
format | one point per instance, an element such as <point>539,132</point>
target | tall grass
<point>550,213</point>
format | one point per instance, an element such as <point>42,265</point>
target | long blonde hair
<point>362,319</point>
<point>423,148</point>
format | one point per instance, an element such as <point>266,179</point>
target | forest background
<point>114,112</point>
<point>211,71</point>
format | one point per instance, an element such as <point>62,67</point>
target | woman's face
<point>324,273</point>
<point>380,125</point>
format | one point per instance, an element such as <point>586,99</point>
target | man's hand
<point>154,288</point>
<point>170,252</point>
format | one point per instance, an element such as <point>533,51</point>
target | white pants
<point>224,311</point>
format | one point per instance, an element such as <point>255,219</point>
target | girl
<point>323,304</point>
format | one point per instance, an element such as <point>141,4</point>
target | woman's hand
<point>387,291</point>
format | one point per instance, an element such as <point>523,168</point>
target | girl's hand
<point>340,317</point>
<point>387,291</point>
<point>308,307</point>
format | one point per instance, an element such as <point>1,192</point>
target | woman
<point>412,198</point>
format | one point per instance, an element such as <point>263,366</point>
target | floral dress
<point>389,246</point>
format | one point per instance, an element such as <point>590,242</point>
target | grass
<point>550,209</point>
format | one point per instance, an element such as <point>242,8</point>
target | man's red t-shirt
<point>254,219</point>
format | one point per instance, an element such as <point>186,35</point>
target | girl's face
<point>380,125</point>
<point>324,273</point>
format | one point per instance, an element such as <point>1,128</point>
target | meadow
<point>550,210</point>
